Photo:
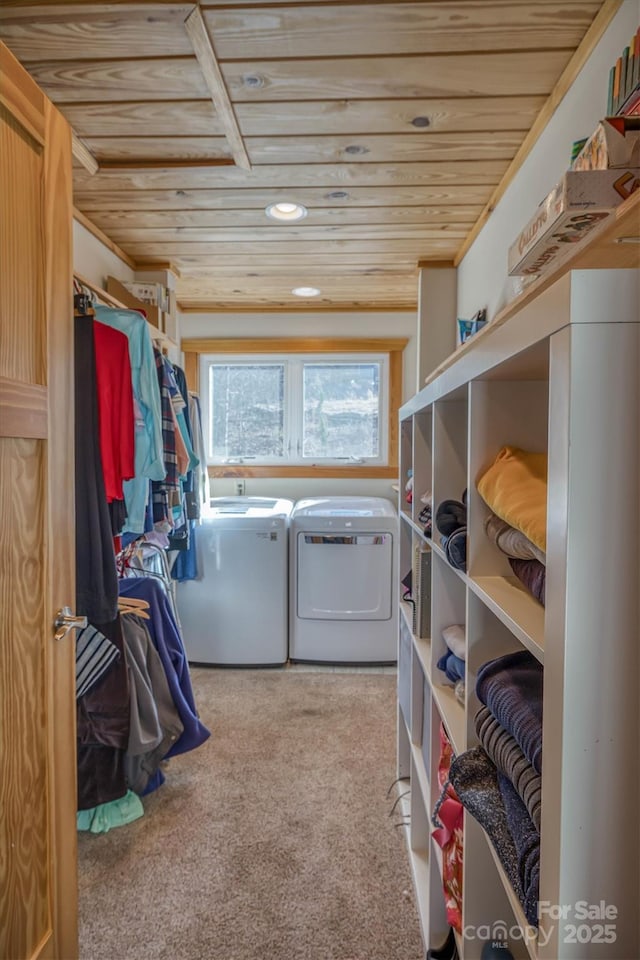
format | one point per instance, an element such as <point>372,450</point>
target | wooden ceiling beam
<point>350,305</point>
<point>147,163</point>
<point>203,48</point>
<point>83,155</point>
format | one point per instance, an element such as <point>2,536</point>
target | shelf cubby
<point>406,464</point>
<point>515,413</point>
<point>405,655</point>
<point>450,448</point>
<point>422,461</point>
<point>403,766</point>
<point>489,901</point>
<point>557,375</point>
<point>420,839</point>
<point>417,700</point>
<point>487,639</point>
<point>449,607</point>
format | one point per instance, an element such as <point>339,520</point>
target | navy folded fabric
<point>505,753</point>
<point>511,688</point>
<point>527,843</point>
<point>475,781</point>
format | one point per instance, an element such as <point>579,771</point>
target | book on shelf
<point>623,93</point>
<point>421,578</point>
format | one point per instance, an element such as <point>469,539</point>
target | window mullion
<point>294,395</point>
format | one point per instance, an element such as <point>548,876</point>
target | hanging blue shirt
<point>149,463</point>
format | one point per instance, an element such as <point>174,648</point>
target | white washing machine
<point>236,613</point>
<point>343,595</point>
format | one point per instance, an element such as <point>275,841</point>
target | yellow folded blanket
<point>515,487</point>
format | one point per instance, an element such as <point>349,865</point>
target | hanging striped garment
<point>94,655</point>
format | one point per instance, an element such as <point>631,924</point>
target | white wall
<point>482,275</point>
<point>310,325</point>
<point>95,261</point>
<point>255,325</point>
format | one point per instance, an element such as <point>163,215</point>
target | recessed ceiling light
<point>306,291</point>
<point>287,212</point>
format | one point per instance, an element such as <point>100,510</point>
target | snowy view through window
<point>341,410</point>
<point>274,412</point>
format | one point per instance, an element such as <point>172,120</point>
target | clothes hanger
<point>82,301</point>
<point>134,607</point>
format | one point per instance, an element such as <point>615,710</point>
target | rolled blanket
<point>451,515</point>
<point>533,575</point>
<point>510,541</point>
<point>475,781</point>
<point>515,488</point>
<point>455,548</point>
<point>511,687</point>
<point>503,750</point>
<point>453,636</point>
<point>527,843</point>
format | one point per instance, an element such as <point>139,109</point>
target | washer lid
<point>247,507</point>
<point>345,507</point>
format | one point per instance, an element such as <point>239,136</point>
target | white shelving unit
<point>559,375</point>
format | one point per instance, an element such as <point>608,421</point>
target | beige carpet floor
<point>273,841</point>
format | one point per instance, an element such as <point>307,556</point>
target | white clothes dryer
<point>236,613</point>
<point>342,587</point>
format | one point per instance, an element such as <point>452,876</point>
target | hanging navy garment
<point>168,642</point>
<point>96,575</point>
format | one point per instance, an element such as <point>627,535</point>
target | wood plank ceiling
<point>394,123</point>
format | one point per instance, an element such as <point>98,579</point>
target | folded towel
<point>515,488</point>
<point>509,759</point>
<point>475,781</point>
<point>511,687</point>
<point>532,574</point>
<point>527,843</point>
<point>510,541</point>
<point>453,636</point>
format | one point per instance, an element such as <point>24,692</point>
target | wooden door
<point>38,885</point>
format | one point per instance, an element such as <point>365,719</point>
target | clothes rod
<point>110,301</point>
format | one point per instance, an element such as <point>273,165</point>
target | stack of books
<point>624,82</point>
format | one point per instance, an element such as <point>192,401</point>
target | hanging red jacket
<point>115,408</point>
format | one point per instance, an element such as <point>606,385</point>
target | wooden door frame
<point>44,411</point>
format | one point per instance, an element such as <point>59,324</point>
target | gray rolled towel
<point>504,751</point>
<point>510,541</point>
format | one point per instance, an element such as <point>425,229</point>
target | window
<point>301,409</point>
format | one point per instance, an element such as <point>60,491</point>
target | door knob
<point>65,621</point>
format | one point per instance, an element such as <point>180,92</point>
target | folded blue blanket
<point>511,688</point>
<point>503,750</point>
<point>527,843</point>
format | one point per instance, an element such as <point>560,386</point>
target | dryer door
<point>344,576</point>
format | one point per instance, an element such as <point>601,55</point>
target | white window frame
<point>293,406</point>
